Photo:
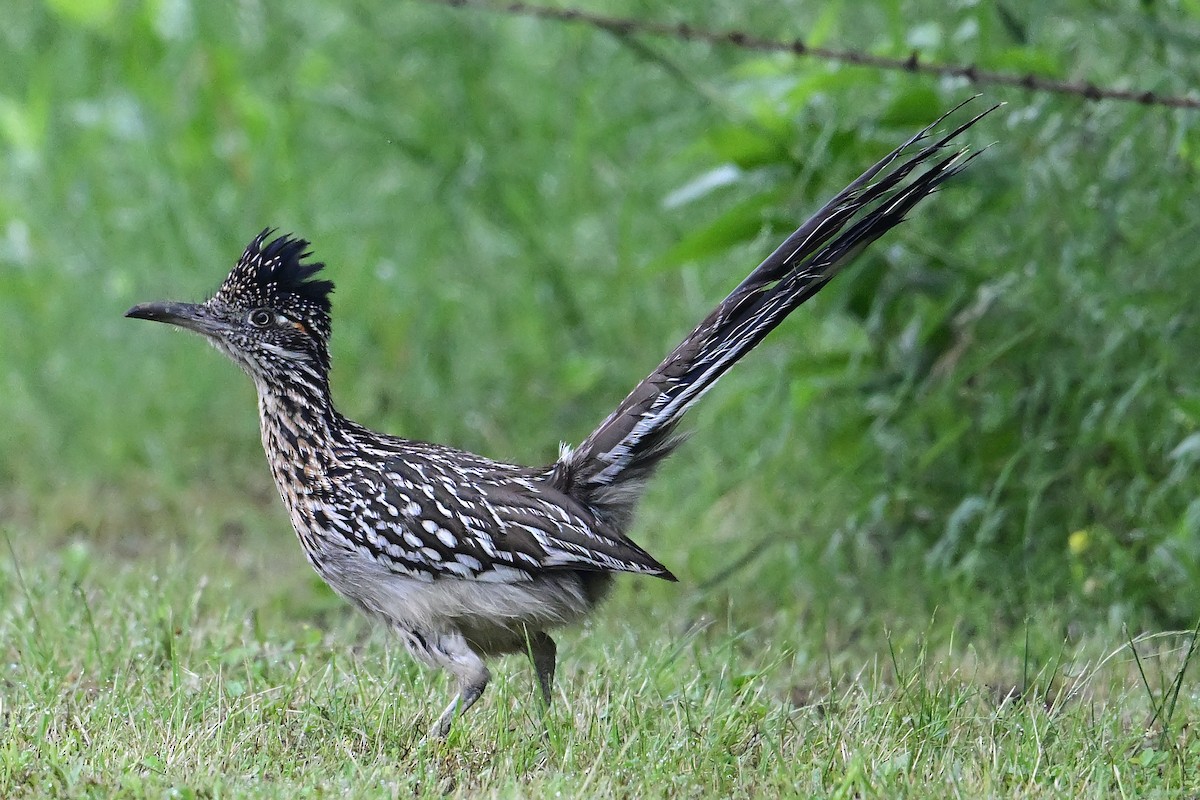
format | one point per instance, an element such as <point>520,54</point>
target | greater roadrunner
<point>465,557</point>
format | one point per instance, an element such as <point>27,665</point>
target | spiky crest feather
<point>275,275</point>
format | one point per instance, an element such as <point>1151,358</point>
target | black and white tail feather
<point>608,471</point>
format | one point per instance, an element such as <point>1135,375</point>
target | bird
<point>466,558</point>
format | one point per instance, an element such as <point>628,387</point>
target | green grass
<point>227,672</point>
<point>922,532</point>
<point>120,683</point>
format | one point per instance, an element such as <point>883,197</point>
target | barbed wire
<point>972,73</point>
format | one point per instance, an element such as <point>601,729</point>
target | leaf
<point>912,108</point>
<point>702,185</point>
<point>746,146</point>
<point>93,14</point>
<point>1189,448</point>
<point>1026,60</point>
<point>742,222</point>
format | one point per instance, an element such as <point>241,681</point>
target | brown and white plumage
<point>465,557</point>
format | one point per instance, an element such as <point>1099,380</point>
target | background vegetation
<point>919,530</point>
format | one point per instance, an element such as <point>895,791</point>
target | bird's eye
<point>260,318</point>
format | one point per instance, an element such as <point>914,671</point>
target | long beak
<point>192,316</point>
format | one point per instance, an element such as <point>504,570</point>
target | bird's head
<point>269,315</point>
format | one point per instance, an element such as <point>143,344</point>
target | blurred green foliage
<point>999,403</point>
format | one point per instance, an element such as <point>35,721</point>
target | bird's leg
<point>542,652</point>
<point>452,653</point>
<point>471,686</point>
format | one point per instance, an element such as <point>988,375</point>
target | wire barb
<point>913,63</point>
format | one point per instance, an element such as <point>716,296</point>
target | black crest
<point>274,275</point>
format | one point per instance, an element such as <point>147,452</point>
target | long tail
<point>609,469</point>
